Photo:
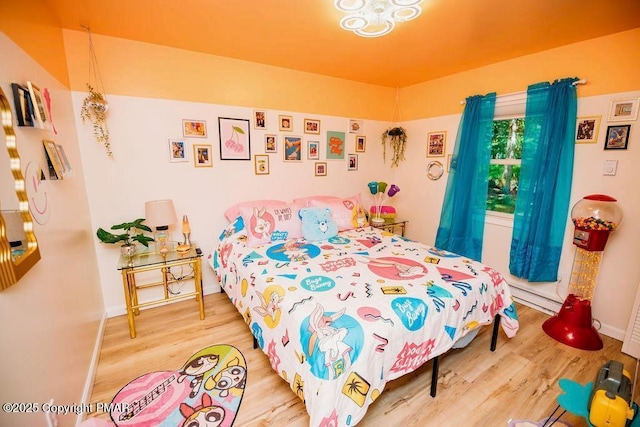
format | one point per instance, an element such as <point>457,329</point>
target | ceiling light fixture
<point>375,18</point>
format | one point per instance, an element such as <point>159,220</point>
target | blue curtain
<point>465,200</point>
<point>540,216</point>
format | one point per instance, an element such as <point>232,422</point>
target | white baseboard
<point>91,373</point>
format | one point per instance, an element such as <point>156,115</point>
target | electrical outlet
<point>51,417</point>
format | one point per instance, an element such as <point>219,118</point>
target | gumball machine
<point>594,218</point>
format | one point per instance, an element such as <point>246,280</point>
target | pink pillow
<point>347,213</point>
<point>266,224</point>
<point>234,211</point>
<point>306,201</point>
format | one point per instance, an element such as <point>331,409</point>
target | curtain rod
<point>523,92</point>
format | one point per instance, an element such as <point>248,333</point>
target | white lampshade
<point>160,213</point>
<point>15,227</point>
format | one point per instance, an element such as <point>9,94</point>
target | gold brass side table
<point>390,225</point>
<point>152,261</point>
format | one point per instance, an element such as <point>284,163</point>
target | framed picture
<point>361,143</point>
<point>261,164</point>
<point>270,143</point>
<point>39,110</point>
<point>313,150</point>
<point>355,126</point>
<point>436,144</point>
<point>178,150</point>
<point>292,149</point>
<point>259,119</point>
<point>617,137</point>
<point>624,110</point>
<point>587,130</point>
<point>194,128</point>
<point>23,105</point>
<point>353,162</point>
<point>285,123</point>
<point>202,155</point>
<point>235,141</point>
<point>64,159</point>
<point>321,168</point>
<point>56,167</point>
<point>335,145</point>
<point>312,126</point>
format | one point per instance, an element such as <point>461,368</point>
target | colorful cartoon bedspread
<point>341,317</point>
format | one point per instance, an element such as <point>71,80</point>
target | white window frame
<point>511,106</point>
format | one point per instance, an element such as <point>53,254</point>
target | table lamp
<point>186,232</point>
<point>377,190</point>
<point>161,214</point>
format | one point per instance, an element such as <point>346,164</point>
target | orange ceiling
<point>449,37</point>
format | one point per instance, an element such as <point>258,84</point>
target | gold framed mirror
<point>16,258</point>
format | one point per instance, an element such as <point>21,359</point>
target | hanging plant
<point>397,139</point>
<point>94,108</point>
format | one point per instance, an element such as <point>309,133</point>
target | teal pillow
<point>317,224</point>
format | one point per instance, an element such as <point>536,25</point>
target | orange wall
<point>609,64</point>
<point>31,25</point>
<point>153,71</point>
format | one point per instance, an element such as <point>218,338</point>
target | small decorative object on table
<point>161,214</point>
<point>377,190</point>
<point>186,232</point>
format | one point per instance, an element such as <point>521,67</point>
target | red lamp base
<point>573,325</point>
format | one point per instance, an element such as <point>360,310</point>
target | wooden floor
<point>475,387</point>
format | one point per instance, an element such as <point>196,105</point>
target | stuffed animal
<point>317,224</point>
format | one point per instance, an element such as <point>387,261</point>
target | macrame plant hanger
<point>95,105</point>
<point>395,135</point>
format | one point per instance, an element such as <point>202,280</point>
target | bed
<point>339,318</point>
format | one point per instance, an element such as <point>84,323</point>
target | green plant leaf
<point>142,239</point>
<point>106,237</point>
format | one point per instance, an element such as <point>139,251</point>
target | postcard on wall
<point>202,156</point>
<point>261,164</point>
<point>436,144</point>
<point>65,161</point>
<point>313,150</point>
<point>292,149</point>
<point>353,162</point>
<point>624,110</point>
<point>361,143</point>
<point>270,143</point>
<point>23,105</point>
<point>320,168</point>
<point>39,110</point>
<point>194,128</point>
<point>259,119</point>
<point>587,130</point>
<point>312,126</point>
<point>235,140</point>
<point>285,123</point>
<point>178,150</point>
<point>617,137</point>
<point>335,145</point>
<point>355,126</point>
<point>55,165</point>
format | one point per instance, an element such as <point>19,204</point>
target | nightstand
<point>391,224</point>
<point>152,261</point>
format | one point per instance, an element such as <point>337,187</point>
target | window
<point>504,168</point>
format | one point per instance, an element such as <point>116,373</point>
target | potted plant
<point>397,139</point>
<point>94,108</point>
<point>128,237</point>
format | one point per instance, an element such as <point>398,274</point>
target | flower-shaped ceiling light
<point>374,18</point>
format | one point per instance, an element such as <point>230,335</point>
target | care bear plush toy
<point>317,224</point>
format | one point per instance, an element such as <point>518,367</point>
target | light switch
<point>610,167</point>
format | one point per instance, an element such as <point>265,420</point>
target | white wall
<point>140,170</point>
<point>619,269</point>
<point>51,317</point>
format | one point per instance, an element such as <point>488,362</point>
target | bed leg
<point>494,336</point>
<point>434,376</point>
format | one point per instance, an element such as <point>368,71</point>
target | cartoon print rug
<point>207,390</point>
